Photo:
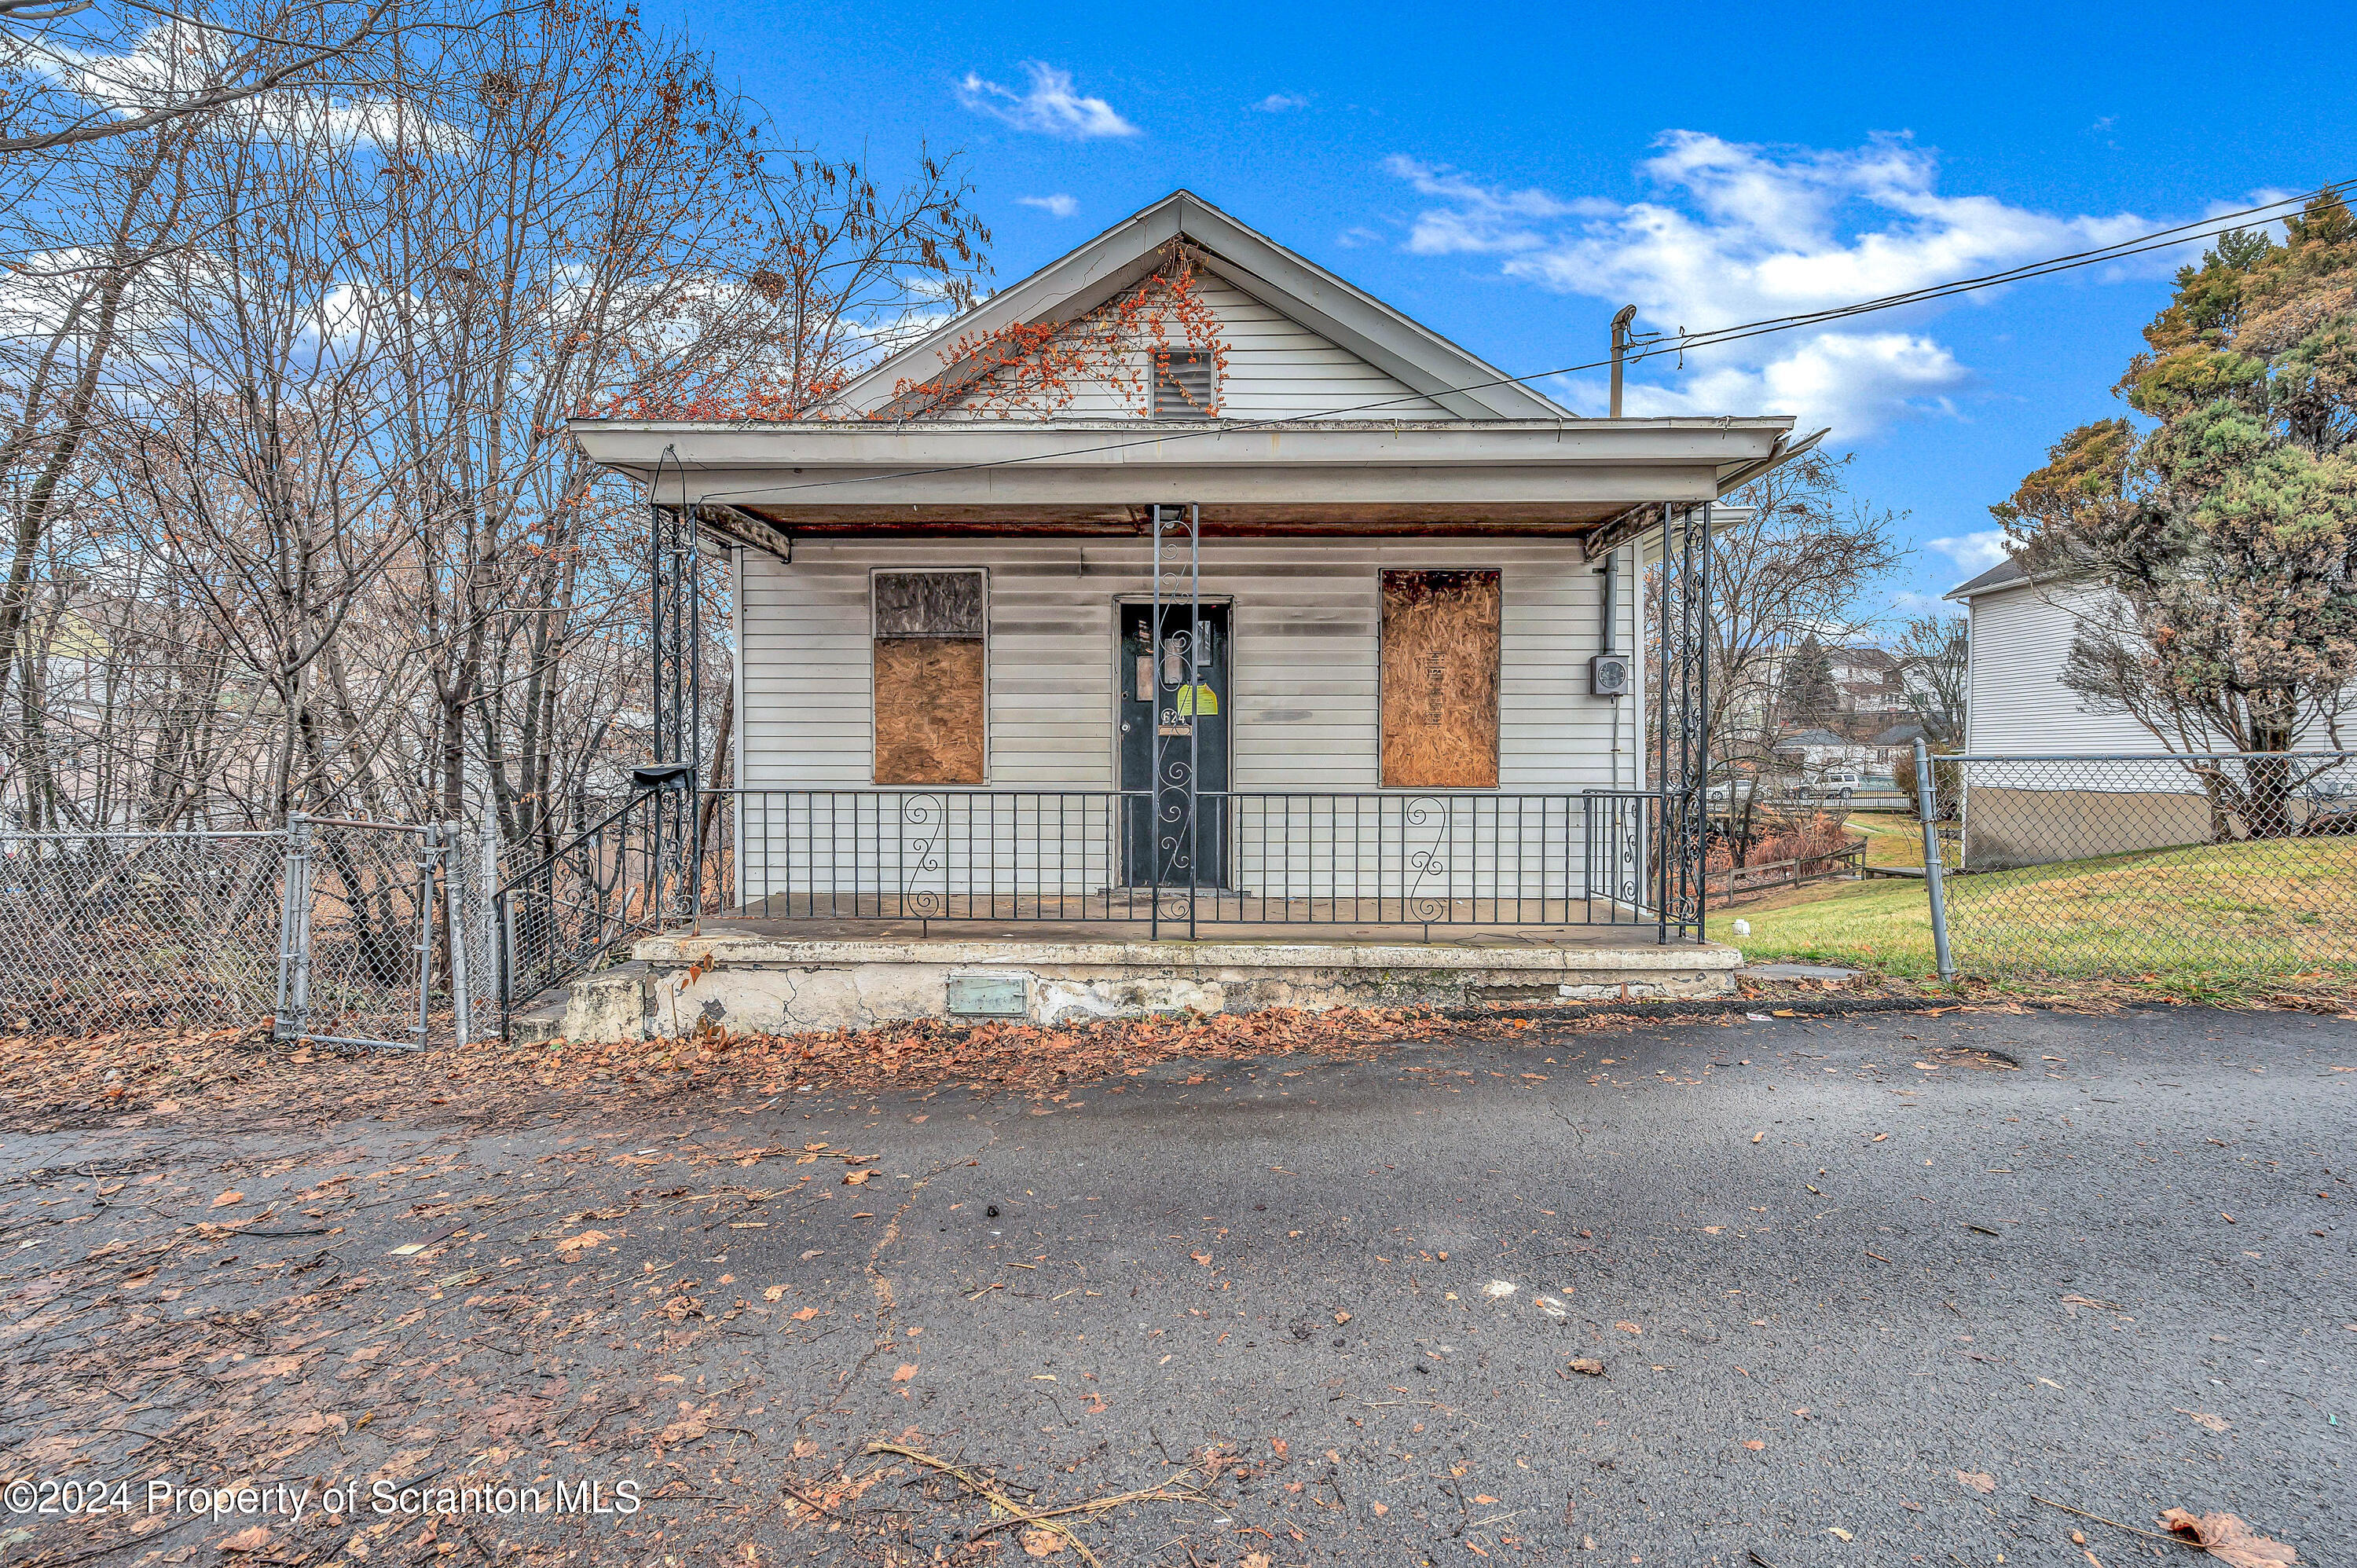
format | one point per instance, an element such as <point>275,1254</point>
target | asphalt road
<point>1859,1296</point>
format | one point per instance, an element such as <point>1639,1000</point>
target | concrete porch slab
<point>782,977</point>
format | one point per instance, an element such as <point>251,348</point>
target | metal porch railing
<point>1411,862</point>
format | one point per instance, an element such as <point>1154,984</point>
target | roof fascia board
<point>1964,593</point>
<point>978,453</point>
<point>1072,285</point>
<point>1354,320</point>
<point>1294,286</point>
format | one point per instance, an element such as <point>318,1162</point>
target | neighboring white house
<point>1818,749</point>
<point>2074,807</point>
<point>2022,633</point>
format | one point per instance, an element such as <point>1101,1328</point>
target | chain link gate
<point>359,962</point>
<point>332,929</point>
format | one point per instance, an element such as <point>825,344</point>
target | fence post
<point>456,926</point>
<point>295,933</point>
<point>429,852</point>
<point>1927,807</point>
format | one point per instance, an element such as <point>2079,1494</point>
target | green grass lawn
<point>1880,924</point>
<point>1891,838</point>
<point>2212,919</point>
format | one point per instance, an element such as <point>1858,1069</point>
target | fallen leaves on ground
<point>2227,1538</point>
<point>1980,1481</point>
<point>48,1082</point>
<point>692,1425</point>
<point>2202,1418</point>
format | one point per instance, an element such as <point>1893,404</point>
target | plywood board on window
<point>929,710</point>
<point>1440,680</point>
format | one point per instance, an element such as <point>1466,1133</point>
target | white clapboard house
<point>2057,776</point>
<point>1182,588</point>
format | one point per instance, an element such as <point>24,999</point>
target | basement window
<point>929,680</point>
<point>1185,383</point>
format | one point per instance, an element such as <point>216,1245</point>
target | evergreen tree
<point>1811,698</point>
<point>2224,530</point>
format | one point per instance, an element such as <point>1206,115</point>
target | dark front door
<point>1174,731</point>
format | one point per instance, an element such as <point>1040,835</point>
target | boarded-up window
<point>1440,680</point>
<point>928,677</point>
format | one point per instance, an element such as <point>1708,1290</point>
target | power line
<point>2158,239</point>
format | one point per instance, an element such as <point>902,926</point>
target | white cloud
<point>1049,106</point>
<point>1055,206</point>
<point>1741,232</point>
<point>1279,103</point>
<point>1477,218</point>
<point>1975,552</point>
<point>1853,382</point>
<point>1907,602</point>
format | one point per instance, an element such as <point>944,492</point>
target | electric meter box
<point>1608,675</point>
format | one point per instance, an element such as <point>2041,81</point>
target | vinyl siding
<point>2019,705</point>
<point>1303,681</point>
<point>1303,705</point>
<point>2021,637</point>
<point>1277,369</point>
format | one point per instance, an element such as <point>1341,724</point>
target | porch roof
<point>935,476</point>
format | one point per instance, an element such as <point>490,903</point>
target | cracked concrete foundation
<point>754,982</point>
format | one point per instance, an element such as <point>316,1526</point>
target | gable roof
<point>1291,284</point>
<point>2004,574</point>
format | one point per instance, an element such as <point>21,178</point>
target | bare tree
<point>69,301</point>
<point>1793,567</point>
<point>1935,659</point>
<point>254,437</point>
<point>78,71</point>
<point>338,550</point>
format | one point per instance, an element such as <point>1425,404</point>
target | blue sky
<point>1511,175</point>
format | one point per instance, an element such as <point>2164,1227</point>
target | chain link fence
<point>103,931</point>
<point>2217,868</point>
<point>366,933</point>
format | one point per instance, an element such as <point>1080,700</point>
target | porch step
<point>609,1005</point>
<point>775,982</point>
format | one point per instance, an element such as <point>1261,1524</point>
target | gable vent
<point>1183,383</point>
